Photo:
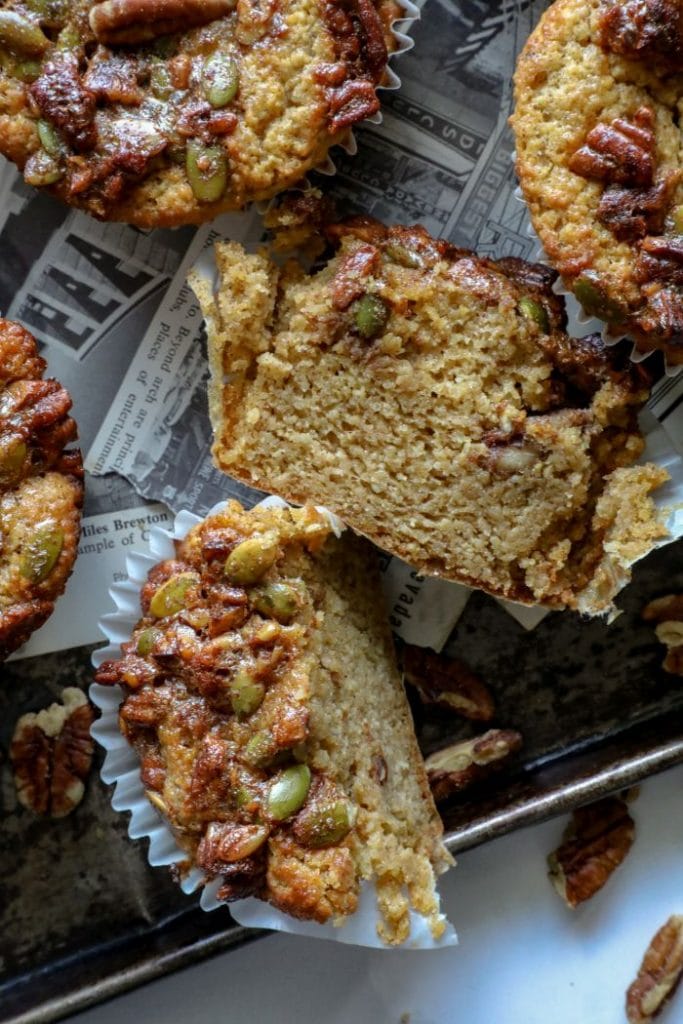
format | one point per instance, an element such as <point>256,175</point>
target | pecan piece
<point>662,318</point>
<point>353,101</point>
<point>448,683</point>
<point>51,754</point>
<point>594,844</point>
<point>643,30</point>
<point>373,42</point>
<point>66,102</point>
<point>659,973</point>
<point>631,213</point>
<point>621,152</point>
<point>667,612</point>
<point>113,78</point>
<point>462,764</point>
<point>127,22</point>
<point>349,281</point>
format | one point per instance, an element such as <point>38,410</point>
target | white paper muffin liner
<point>121,767</point>
<point>579,321</point>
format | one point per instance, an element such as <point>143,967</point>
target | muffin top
<point>41,489</point>
<point>599,88</point>
<point>167,112</point>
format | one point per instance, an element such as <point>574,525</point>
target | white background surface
<point>523,957</point>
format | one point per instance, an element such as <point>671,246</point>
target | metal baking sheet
<point>83,917</point>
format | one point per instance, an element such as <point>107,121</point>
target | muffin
<point>599,91</point>
<point>273,732</point>
<point>160,114</point>
<point>41,489</point>
<point>432,399</point>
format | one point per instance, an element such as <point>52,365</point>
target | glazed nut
<point>462,764</point>
<point>667,613</point>
<point>664,609</point>
<point>288,792</point>
<point>250,561</point>
<point>619,152</point>
<point>595,843</point>
<point>51,754</point>
<point>171,596</point>
<point>39,556</point>
<point>127,22</point>
<point>21,35</point>
<point>447,683</point>
<point>659,973</point>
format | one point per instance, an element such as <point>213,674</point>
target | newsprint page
<point>121,329</point>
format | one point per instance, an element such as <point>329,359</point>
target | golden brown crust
<point>599,159</point>
<point>174,129</point>
<point>41,489</point>
<point>432,399</point>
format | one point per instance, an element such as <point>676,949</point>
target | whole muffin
<point>41,489</point>
<point>599,89</point>
<point>167,112</point>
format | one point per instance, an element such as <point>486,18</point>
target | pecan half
<point>621,152</point>
<point>643,30</point>
<point>66,102</point>
<point>659,973</point>
<point>127,22</point>
<point>662,318</point>
<point>631,213</point>
<point>660,259</point>
<point>447,683</point>
<point>595,843</point>
<point>462,764</point>
<point>667,612</point>
<point>51,754</point>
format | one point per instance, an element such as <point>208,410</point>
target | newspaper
<point>122,331</point>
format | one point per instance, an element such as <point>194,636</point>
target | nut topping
<point>659,973</point>
<point>127,22</point>
<point>643,30</point>
<point>595,843</point>
<point>631,213</point>
<point>66,102</point>
<point>51,753</point>
<point>620,153</point>
<point>349,281</point>
<point>667,612</point>
<point>462,764</point>
<point>447,683</point>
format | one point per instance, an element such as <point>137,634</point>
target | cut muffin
<point>272,728</point>
<point>41,489</point>
<point>598,94</point>
<point>432,399</point>
<point>160,114</point>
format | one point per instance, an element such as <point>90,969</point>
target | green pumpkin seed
<point>326,824</point>
<point>260,750</point>
<point>246,694</point>
<point>26,70</point>
<point>288,791</point>
<point>21,35</point>
<point>49,139</point>
<point>246,840</point>
<point>220,79</point>
<point>41,169</point>
<point>678,220</point>
<point>160,80</point>
<point>405,257</point>
<point>533,310</point>
<point>171,595</point>
<point>276,600</point>
<point>207,171</point>
<point>12,459</point>
<point>147,640</point>
<point>251,559</point>
<point>370,315</point>
<point>68,38</point>
<point>40,554</point>
<point>596,303</point>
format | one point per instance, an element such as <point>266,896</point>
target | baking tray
<point>83,917</point>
